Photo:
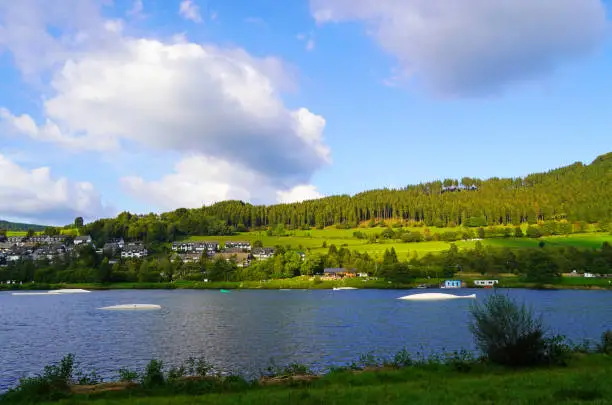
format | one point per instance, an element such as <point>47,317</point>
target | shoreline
<point>359,383</point>
<point>280,285</point>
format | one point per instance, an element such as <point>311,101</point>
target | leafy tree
<point>78,222</point>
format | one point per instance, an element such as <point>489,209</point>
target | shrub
<point>153,374</point>
<point>606,343</point>
<point>462,360</point>
<point>52,384</point>
<point>402,359</point>
<point>126,375</point>
<point>510,334</point>
<point>296,369</point>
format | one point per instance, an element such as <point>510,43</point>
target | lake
<point>243,330</point>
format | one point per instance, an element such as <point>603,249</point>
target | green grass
<point>16,233</point>
<point>585,380</point>
<point>314,240</point>
<point>68,232</point>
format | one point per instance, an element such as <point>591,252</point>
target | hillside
<point>576,193</point>
<point>15,226</point>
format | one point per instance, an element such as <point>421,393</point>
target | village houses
<point>242,245</point>
<point>134,250</point>
<point>263,253</point>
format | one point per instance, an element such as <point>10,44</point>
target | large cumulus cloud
<point>474,47</point>
<point>36,195</point>
<point>211,106</point>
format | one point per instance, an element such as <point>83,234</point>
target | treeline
<point>574,193</point>
<point>154,228</point>
<point>544,228</point>
<point>15,226</point>
<point>542,264</point>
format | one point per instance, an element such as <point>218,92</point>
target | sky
<point>153,105</point>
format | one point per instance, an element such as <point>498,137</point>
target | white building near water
<point>485,283</point>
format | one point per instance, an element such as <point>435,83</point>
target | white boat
<point>132,307</point>
<point>34,293</point>
<point>69,291</point>
<point>434,297</point>
<point>344,288</point>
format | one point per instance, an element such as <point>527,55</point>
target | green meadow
<point>315,240</point>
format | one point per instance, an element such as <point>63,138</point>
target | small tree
<point>510,334</point>
<point>518,232</point>
<point>78,222</point>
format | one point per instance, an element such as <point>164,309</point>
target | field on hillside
<point>69,232</point>
<point>315,240</point>
<point>16,233</point>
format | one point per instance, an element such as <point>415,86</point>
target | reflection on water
<point>244,330</point>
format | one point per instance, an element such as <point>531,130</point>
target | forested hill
<point>14,226</point>
<point>577,193</point>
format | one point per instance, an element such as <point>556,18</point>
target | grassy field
<point>314,240</point>
<point>16,233</point>
<point>585,380</point>
<point>69,232</point>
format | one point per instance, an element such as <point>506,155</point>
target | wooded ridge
<point>577,192</point>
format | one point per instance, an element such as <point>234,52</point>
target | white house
<point>244,245</point>
<point>86,239</point>
<point>134,251</point>
<point>263,253</point>
<point>485,283</point>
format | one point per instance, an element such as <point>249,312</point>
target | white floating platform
<point>34,293</point>
<point>434,297</point>
<point>132,307</point>
<point>344,288</point>
<point>69,291</point>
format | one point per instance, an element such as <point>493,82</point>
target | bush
<point>126,375</point>
<point>606,343</point>
<point>511,335</point>
<point>153,374</point>
<point>402,359</point>
<point>52,384</point>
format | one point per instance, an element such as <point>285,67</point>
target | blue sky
<point>153,105</point>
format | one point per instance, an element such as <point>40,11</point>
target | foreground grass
<point>585,380</point>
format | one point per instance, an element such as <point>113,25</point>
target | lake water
<point>243,330</point>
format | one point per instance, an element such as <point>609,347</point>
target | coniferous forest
<point>577,192</point>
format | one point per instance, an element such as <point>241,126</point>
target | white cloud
<point>34,195</point>
<point>309,38</point>
<point>255,21</point>
<point>474,46</point>
<point>190,11</point>
<point>42,33</point>
<point>188,98</point>
<point>298,193</point>
<point>221,105</point>
<point>50,132</point>
<point>199,180</point>
<point>115,26</point>
<point>137,8</point>
<point>310,44</point>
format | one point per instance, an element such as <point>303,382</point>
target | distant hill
<point>15,226</point>
<point>575,193</point>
